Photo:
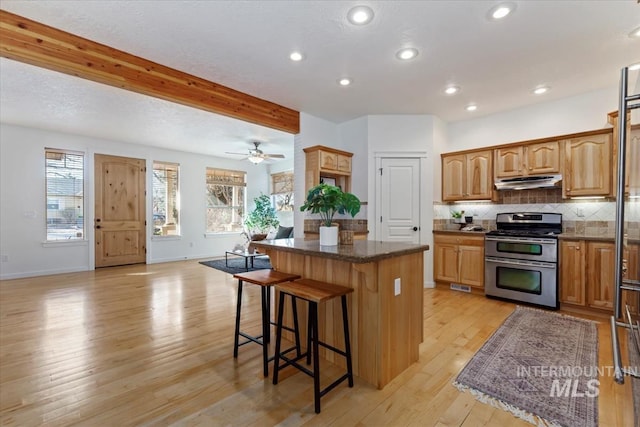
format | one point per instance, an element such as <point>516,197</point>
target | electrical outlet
<point>397,286</point>
<point>580,212</point>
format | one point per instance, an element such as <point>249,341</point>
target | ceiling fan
<point>256,155</point>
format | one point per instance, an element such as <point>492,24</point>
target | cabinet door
<point>479,175</point>
<point>344,163</point>
<point>600,274</point>
<point>328,161</point>
<point>587,170</point>
<point>572,274</point>
<point>471,265</point>
<point>445,261</point>
<point>453,168</point>
<point>543,158</point>
<point>509,161</point>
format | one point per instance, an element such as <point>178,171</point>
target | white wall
<point>354,138</point>
<point>569,115</point>
<point>22,208</point>
<point>410,134</point>
<point>313,131</point>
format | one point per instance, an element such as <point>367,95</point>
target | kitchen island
<point>385,309</point>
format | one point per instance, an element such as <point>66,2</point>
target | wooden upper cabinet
<point>479,175</point>
<point>453,185</point>
<point>467,176</point>
<point>632,171</point>
<point>344,163</point>
<point>588,166</point>
<point>509,161</point>
<point>326,162</point>
<point>530,159</point>
<point>542,158</point>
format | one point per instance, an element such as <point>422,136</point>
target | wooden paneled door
<point>119,211</point>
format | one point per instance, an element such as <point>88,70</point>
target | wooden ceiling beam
<point>31,42</point>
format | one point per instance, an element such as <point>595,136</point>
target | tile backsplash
<point>582,217</point>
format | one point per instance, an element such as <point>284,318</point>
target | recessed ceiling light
<point>501,11</point>
<point>296,56</point>
<point>345,81</point>
<point>634,67</point>
<point>407,54</point>
<point>360,15</point>
<point>471,107</point>
<point>540,90</point>
<point>452,90</point>
<point>635,33</point>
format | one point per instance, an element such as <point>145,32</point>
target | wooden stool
<point>265,278</point>
<point>314,292</point>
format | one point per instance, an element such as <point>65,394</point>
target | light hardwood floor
<point>152,345</point>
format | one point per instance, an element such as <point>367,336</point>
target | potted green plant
<point>326,201</point>
<point>262,219</point>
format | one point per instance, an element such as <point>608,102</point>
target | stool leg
<point>294,309</point>
<point>309,334</point>
<point>267,300</point>
<point>347,342</point>
<point>265,331</point>
<point>313,318</point>
<point>238,309</point>
<point>276,359</point>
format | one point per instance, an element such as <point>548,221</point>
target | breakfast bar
<point>385,309</point>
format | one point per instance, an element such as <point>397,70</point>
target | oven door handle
<point>520,263</point>
<point>519,240</point>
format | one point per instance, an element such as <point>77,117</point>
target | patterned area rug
<point>541,366</point>
<point>236,264</point>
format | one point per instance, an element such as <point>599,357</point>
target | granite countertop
<point>593,237</point>
<point>362,251</point>
<point>479,233</point>
<point>364,232</point>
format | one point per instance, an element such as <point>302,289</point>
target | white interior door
<point>400,200</point>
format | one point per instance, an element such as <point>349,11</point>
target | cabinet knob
<point>577,248</point>
<point>530,168</point>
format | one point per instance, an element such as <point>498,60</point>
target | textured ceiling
<point>572,46</point>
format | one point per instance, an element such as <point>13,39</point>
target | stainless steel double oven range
<point>521,258</point>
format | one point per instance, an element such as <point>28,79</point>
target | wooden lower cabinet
<point>587,271</point>
<point>459,259</point>
<point>600,274</point>
<point>572,272</point>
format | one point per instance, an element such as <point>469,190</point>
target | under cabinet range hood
<point>529,182</point>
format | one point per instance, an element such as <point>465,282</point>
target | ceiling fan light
<point>255,159</point>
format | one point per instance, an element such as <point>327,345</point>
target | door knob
<point>97,226</point>
<point>415,228</point>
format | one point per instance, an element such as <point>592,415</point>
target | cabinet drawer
<point>458,239</point>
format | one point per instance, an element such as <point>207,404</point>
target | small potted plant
<point>328,200</point>
<point>262,219</point>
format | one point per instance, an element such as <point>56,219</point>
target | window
<point>166,206</point>
<point>64,171</point>
<point>282,191</point>
<point>225,200</point>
